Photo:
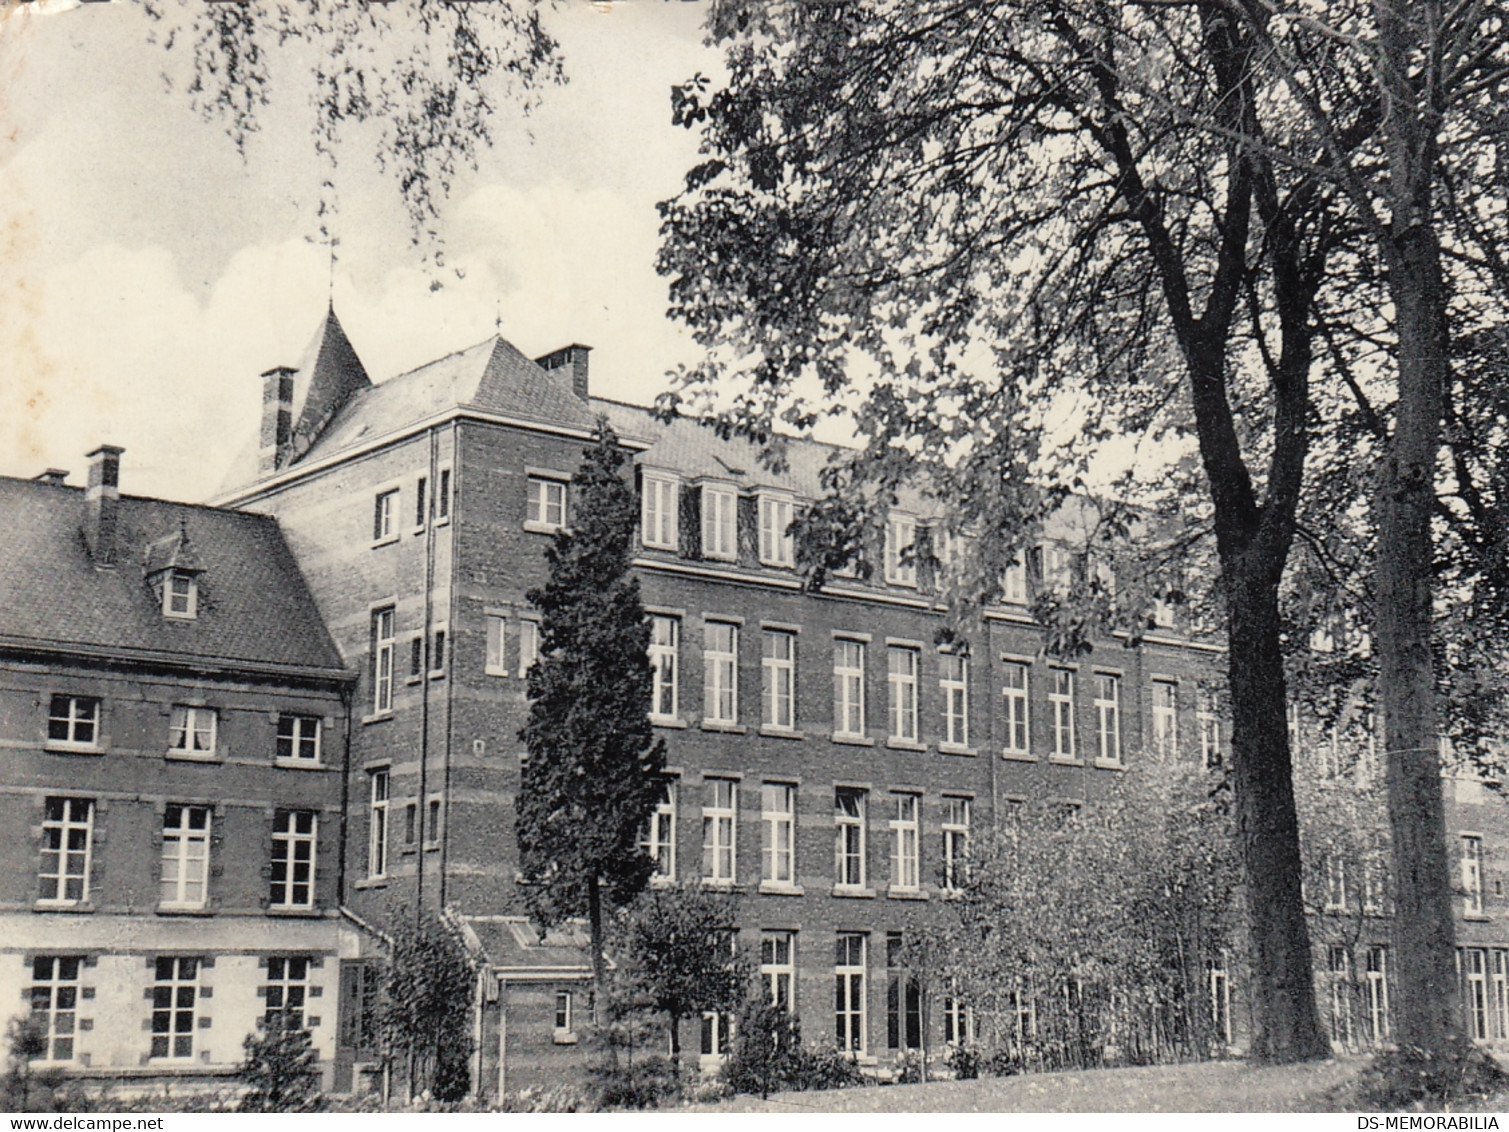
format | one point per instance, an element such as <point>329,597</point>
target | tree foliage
<point>281,1068</point>
<point>426,1011</point>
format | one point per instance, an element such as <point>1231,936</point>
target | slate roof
<point>513,942</point>
<point>254,608</point>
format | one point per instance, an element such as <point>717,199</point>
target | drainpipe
<point>424,680</point>
<point>450,653</point>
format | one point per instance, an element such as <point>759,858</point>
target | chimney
<point>102,503</point>
<point>277,419</point>
<point>573,356</point>
<point>55,476</point>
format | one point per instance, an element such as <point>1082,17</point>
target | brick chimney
<point>573,356</point>
<point>277,419</point>
<point>102,504</point>
<point>56,476</point>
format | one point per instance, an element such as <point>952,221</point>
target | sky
<point>149,274</point>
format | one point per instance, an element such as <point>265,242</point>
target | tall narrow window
<point>1014,583</point>
<point>664,634</point>
<point>719,823</point>
<point>658,507</point>
<point>778,679</point>
<point>1061,704</point>
<point>1166,718</point>
<point>377,833</point>
<point>67,830</point>
<point>174,994</point>
<point>382,661</point>
<point>293,847</point>
<point>286,993</point>
<point>299,738</point>
<point>906,840</point>
<point>900,562</point>
<point>719,523</point>
<point>1377,992</point>
<point>1475,992</point>
<point>54,996</point>
<point>529,646</point>
<point>443,496</point>
<point>776,544</point>
<point>73,721</point>
<point>547,503</point>
<point>849,977</point>
<point>1472,875</point>
<point>720,666</point>
<point>563,1011</point>
<point>496,663</point>
<point>903,999</point>
<point>1220,997</point>
<point>901,673</point>
<point>657,837</point>
<point>421,501</point>
<point>778,847</point>
<point>849,849</point>
<point>958,1020</point>
<point>1335,869</point>
<point>1014,703</point>
<point>385,516</point>
<point>778,968</point>
<point>1210,731</point>
<point>1339,960</point>
<point>185,857</point>
<point>955,841</point>
<point>849,688</point>
<point>953,683</point>
<point>192,730</point>
<point>1108,717</point>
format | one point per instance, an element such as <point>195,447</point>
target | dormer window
<point>776,544</point>
<point>900,560</point>
<point>719,525</point>
<point>180,595</point>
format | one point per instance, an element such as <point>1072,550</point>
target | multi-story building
<point>174,717</point>
<point>829,761</point>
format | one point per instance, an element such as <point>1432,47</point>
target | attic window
<point>180,595</point>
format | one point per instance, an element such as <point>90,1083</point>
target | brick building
<point>829,761</point>
<point>174,716</point>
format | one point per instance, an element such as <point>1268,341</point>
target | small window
<point>180,595</point>
<point>299,738</point>
<point>719,523</point>
<point>777,548</point>
<point>432,825</point>
<point>73,721</point>
<point>192,731</point>
<point>421,499</point>
<point>1014,583</point>
<point>497,638</point>
<point>658,512</point>
<point>437,654</point>
<point>900,560</point>
<point>547,503</point>
<point>416,657</point>
<point>529,646</point>
<point>563,1006</point>
<point>410,823</point>
<point>443,496</point>
<point>385,516</point>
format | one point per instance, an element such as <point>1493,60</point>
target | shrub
<point>826,1069</point>
<point>281,1070</point>
<point>964,1059</point>
<point>644,1083</point>
<point>767,1048</point>
<point>1004,1062</point>
<point>1412,1077</point>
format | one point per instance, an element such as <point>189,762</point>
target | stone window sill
<point>853,740</point>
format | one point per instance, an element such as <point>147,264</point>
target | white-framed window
<point>1054,566</point>
<point>192,730</point>
<point>1335,870</point>
<point>900,560</point>
<point>382,661</point>
<point>1061,705</point>
<point>547,503</point>
<point>377,826</point>
<point>778,844</point>
<point>294,839</point>
<point>1220,996</point>
<point>385,516</point>
<point>180,595</point>
<point>1475,991</point>
<point>658,506</point>
<point>1108,717</point>
<point>849,688</point>
<point>849,847</point>
<point>903,1002</point>
<point>1166,718</point>
<point>777,547</point>
<point>720,669</point>
<point>565,1003</point>
<point>529,646</point>
<point>720,524</point>
<point>175,993</point>
<point>1377,992</point>
<point>657,837</point>
<point>1472,874</point>
<point>849,976</point>
<point>901,675</point>
<point>955,841</point>
<point>496,663</point>
<point>717,1034</point>
<point>185,857</point>
<point>67,843</point>
<point>953,683</point>
<point>958,1020</point>
<point>286,992</point>
<point>906,842</point>
<point>73,721</point>
<point>54,994</point>
<point>720,801</point>
<point>1014,582</point>
<point>1339,962</point>
<point>1210,731</point>
<point>299,738</point>
<point>665,633</point>
<point>778,968</point>
<point>1500,994</point>
<point>1014,688</point>
<point>443,496</point>
<point>778,679</point>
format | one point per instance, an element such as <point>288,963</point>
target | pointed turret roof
<point>329,374</point>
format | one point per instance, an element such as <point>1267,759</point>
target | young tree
<point>595,770</point>
<point>281,1068</point>
<point>426,1013</point>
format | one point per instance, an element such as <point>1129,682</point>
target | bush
<point>964,1059</point>
<point>1410,1077</point>
<point>826,1069</point>
<point>561,1098</point>
<point>644,1083</point>
<point>767,1048</point>
<point>281,1070</point>
<point>1004,1062</point>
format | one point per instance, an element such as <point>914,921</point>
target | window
<point>286,992</point>
<point>73,721</point>
<point>547,503</point>
<point>664,635</point>
<point>529,646</point>
<point>410,823</point>
<point>778,847</point>
<point>955,841</point>
<point>719,816</point>
<point>1472,875</point>
<point>958,1020</point>
<point>900,563</point>
<point>657,837</point>
<point>299,738</point>
<point>778,968</point>
<point>778,679</point>
<point>293,846</point>
<point>443,496</point>
<point>1061,704</point>
<point>720,687</point>
<point>657,520</point>
<point>437,654</point>
<point>906,837</point>
<point>1377,991</point>
<point>180,595</point>
<point>173,999</point>
<point>420,499</point>
<point>903,1004</point>
<point>901,674</point>
<point>849,975</point>
<point>1500,1003</point>
<point>1014,701</point>
<point>1166,718</point>
<point>1014,582</point>
<point>192,730</point>
<point>849,688</point>
<point>1475,992</point>
<point>719,526</point>
<point>717,1034</point>
<point>849,850</point>
<point>416,658</point>
<point>1053,566</point>
<point>1108,717</point>
<point>385,516</point>
<point>67,829</point>
<point>776,544</point>
<point>432,824</point>
<point>185,857</point>
<point>382,661</point>
<point>497,637</point>
<point>1220,996</point>
<point>1210,732</point>
<point>1335,869</point>
<point>1339,963</point>
<point>953,683</point>
<point>54,1004</point>
<point>377,833</point>
<point>1374,884</point>
<point>563,1011</point>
